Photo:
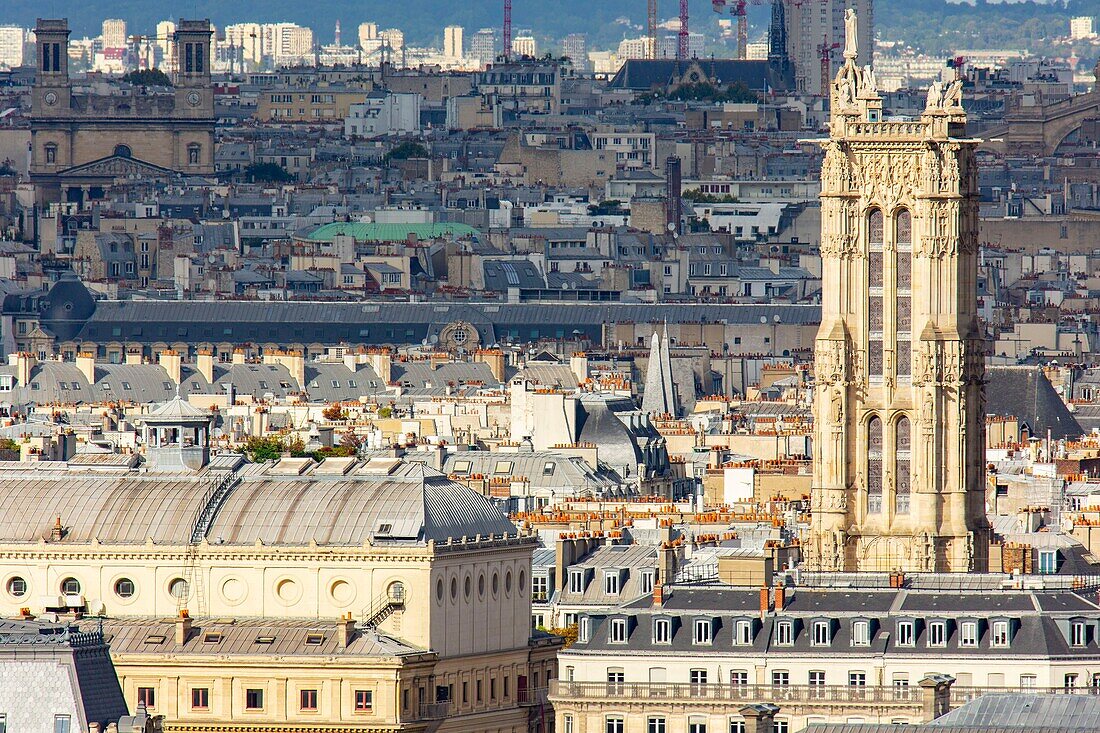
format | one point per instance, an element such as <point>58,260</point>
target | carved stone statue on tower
<point>851,35</point>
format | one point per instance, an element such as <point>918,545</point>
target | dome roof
<point>67,307</point>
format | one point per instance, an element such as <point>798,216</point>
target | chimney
<point>658,596</point>
<point>133,356</point>
<point>24,363</point>
<point>57,533</point>
<point>578,364</point>
<point>345,630</point>
<point>93,727</point>
<point>85,362</point>
<point>765,600</point>
<point>380,361</point>
<point>204,362</point>
<point>170,360</point>
<point>759,718</point>
<point>183,627</point>
<point>936,690</point>
<point>495,359</point>
<point>238,356</point>
<point>780,597</point>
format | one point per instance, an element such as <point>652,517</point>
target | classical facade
<point>898,408</point>
<point>82,141</point>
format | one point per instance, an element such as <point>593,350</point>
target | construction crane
<point>739,9</point>
<point>652,19</point>
<point>682,46</point>
<point>825,49</point>
<point>507,28</point>
<point>959,65</point>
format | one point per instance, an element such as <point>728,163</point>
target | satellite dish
<point>433,339</point>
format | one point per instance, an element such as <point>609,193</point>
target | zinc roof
<point>372,232</point>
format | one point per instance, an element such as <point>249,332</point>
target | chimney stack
<point>204,362</point>
<point>85,362</point>
<point>238,356</point>
<point>183,627</point>
<point>172,363</point>
<point>759,718</point>
<point>345,628</point>
<point>24,363</point>
<point>780,597</point>
<point>658,596</point>
<point>765,600</point>
<point>133,356</point>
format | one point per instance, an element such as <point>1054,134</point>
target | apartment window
<point>857,679</point>
<point>656,725</point>
<point>697,726</point>
<point>905,633</point>
<point>1048,562</point>
<point>861,633</point>
<point>200,698</point>
<point>576,581</point>
<point>817,678</point>
<point>662,631</point>
<point>567,724</point>
<point>148,696</point>
<point>308,700</point>
<point>583,629</point>
<point>821,633</point>
<point>615,725</point>
<point>781,678</point>
<point>1027,680</point>
<point>737,726</point>
<point>781,726</point>
<point>1070,681</point>
<point>1000,634</point>
<point>61,724</point>
<point>968,633</point>
<point>540,587</point>
<point>253,699</point>
<point>618,630</point>
<point>611,582</point>
<point>702,631</point>
<point>784,633</point>
<point>739,677</point>
<point>743,632</point>
<point>1077,636</point>
<point>937,633</point>
<point>647,581</point>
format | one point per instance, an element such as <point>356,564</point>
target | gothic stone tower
<point>899,365</point>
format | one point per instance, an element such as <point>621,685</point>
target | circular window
<point>459,336</point>
<point>342,592</point>
<point>439,590</point>
<point>468,587</point>
<point>454,588</point>
<point>179,588</point>
<point>522,582</point>
<point>481,586</point>
<point>70,587</point>
<point>124,588</point>
<point>396,591</point>
<point>496,583</point>
<point>234,590</point>
<point>17,587</point>
<point>508,581</point>
<point>288,591</point>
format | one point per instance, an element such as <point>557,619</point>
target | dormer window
<point>861,633</point>
<point>584,628</point>
<point>937,633</point>
<point>968,634</point>
<point>617,635</point>
<point>576,581</point>
<point>646,580</point>
<point>1078,635</point>
<point>611,582</point>
<point>662,631</point>
<point>702,631</point>
<point>999,636</point>
<point>784,633</point>
<point>743,632</point>
<point>821,633</point>
<point>906,633</point>
<point>1048,562</point>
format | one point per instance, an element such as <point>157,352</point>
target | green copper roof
<point>369,232</point>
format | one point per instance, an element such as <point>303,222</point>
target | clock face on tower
<point>193,99</point>
<point>50,98</point>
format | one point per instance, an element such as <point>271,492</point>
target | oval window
<point>178,588</point>
<point>17,587</point>
<point>124,588</point>
<point>70,587</point>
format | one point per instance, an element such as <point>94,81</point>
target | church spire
<point>659,397</point>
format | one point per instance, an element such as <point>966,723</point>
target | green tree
<point>148,78</point>
<point>406,150</point>
<point>699,197</point>
<point>267,172</point>
<point>263,449</point>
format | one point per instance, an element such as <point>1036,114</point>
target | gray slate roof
<point>1024,392</point>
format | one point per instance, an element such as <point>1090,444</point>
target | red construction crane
<point>739,10</point>
<point>958,64</point>
<point>826,50</point>
<point>682,48</point>
<point>652,19</point>
<point>507,28</point>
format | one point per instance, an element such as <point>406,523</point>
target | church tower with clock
<point>899,361</point>
<point>82,141</point>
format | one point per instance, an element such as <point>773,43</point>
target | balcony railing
<point>687,693</point>
<point>962,695</point>
<point>533,696</point>
<point>434,710</point>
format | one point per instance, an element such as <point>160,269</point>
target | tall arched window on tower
<point>874,465</point>
<point>902,448</point>
<point>874,294</point>
<point>903,239</point>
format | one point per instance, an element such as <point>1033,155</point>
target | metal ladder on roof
<point>193,587</point>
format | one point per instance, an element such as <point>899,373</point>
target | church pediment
<point>116,166</point>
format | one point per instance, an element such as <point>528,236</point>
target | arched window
<point>903,239</point>
<point>874,299</point>
<point>902,453</point>
<point>874,465</point>
<point>123,151</point>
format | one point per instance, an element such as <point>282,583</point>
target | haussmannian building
<point>898,406</point>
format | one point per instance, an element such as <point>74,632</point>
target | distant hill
<point>935,26</point>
